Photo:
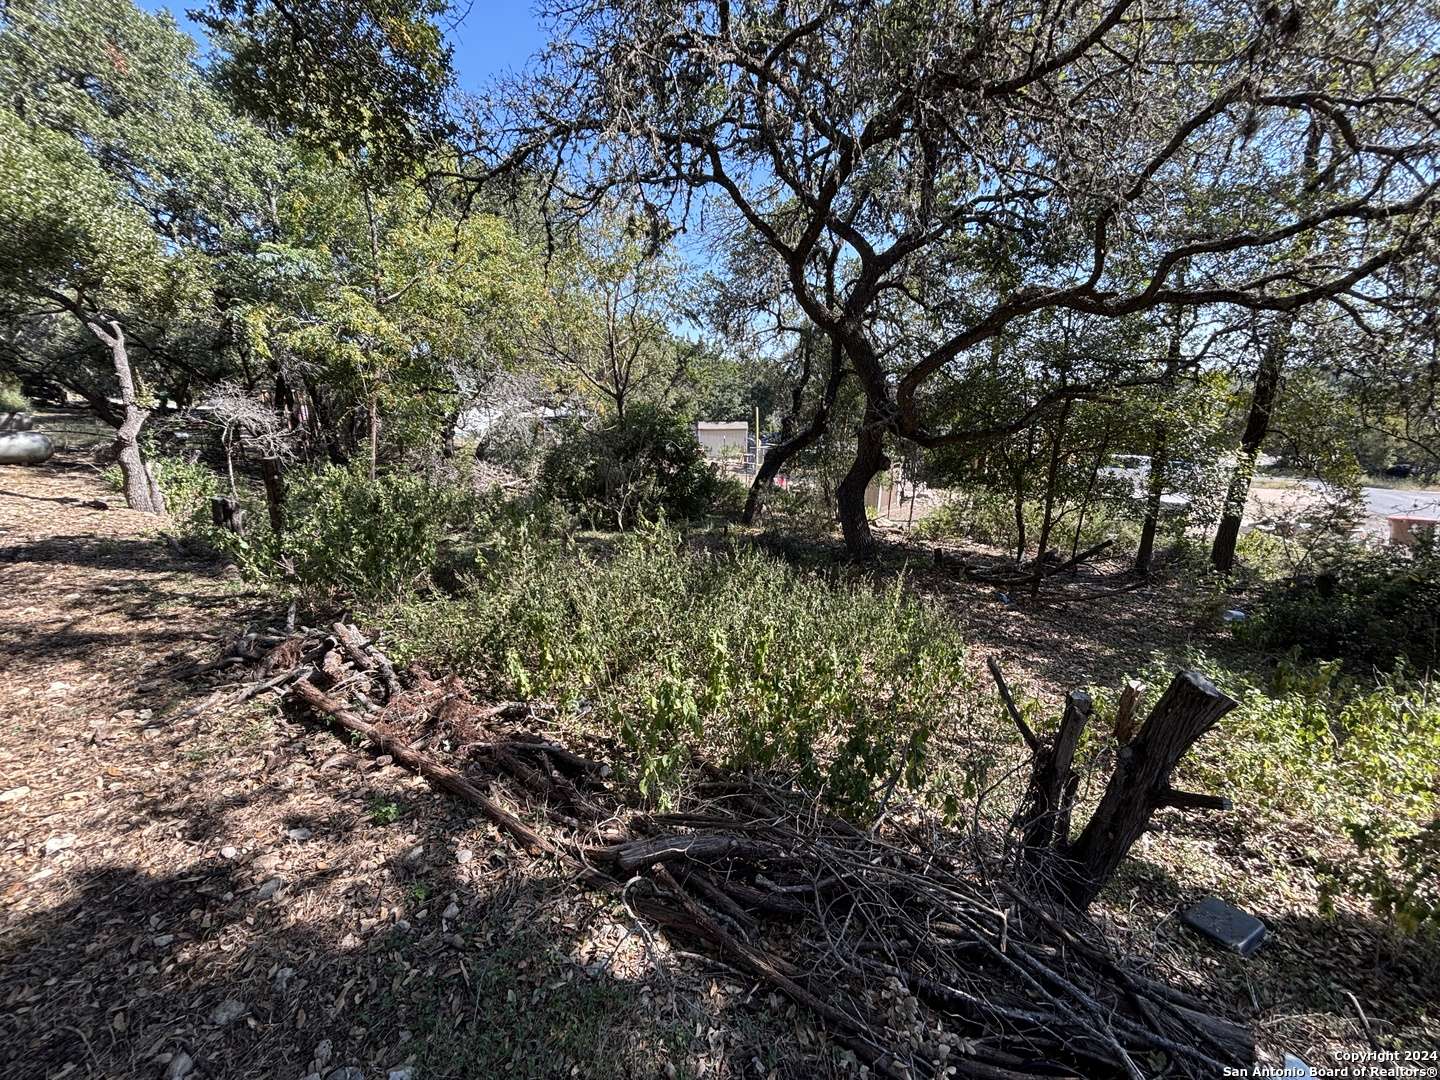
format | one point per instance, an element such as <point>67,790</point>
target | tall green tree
<point>121,175</point>
<point>363,80</point>
<point>382,303</point>
<point>609,331</point>
<point>980,166</point>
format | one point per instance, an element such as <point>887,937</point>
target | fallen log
<point>442,776</point>
<point>688,847</point>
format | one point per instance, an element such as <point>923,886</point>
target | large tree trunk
<point>1257,426</point>
<point>850,495</point>
<point>270,471</point>
<point>1159,457</point>
<point>141,490</point>
<point>1052,475</point>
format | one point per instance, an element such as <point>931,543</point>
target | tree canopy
<point>976,167</point>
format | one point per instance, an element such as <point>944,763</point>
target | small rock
<point>451,912</point>
<point>346,1072</point>
<point>57,844</point>
<point>14,794</point>
<point>269,861</point>
<point>300,834</point>
<point>227,1012</point>
<point>270,888</point>
<point>229,851</point>
<point>181,1065</point>
<point>456,940</point>
<point>464,855</point>
<point>402,1073</point>
<point>323,1050</point>
<point>415,854</point>
<point>161,940</point>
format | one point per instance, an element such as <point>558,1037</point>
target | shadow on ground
<point>280,962</point>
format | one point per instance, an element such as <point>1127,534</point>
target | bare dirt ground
<point>242,895</point>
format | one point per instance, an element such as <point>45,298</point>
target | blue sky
<point>489,38</point>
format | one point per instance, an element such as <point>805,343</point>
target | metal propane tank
<point>25,448</point>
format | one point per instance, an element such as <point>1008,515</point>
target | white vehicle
<point>1134,470</point>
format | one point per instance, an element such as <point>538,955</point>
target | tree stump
<point>227,514</point>
<point>1141,783</point>
<point>1045,817</point>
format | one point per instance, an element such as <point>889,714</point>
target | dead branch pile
<point>917,967</point>
<point>1046,565</point>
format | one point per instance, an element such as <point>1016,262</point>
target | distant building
<point>723,439</point>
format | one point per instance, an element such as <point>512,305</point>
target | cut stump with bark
<point>1045,818</point>
<point>1140,783</point>
<point>1138,786</point>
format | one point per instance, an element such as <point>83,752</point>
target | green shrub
<point>370,539</point>
<point>188,487</point>
<point>1398,869</point>
<point>1330,756</point>
<point>731,654</point>
<point>987,517</point>
<point>1367,608</point>
<point>351,537</point>
<point>619,473</point>
<point>1311,742</point>
<point>981,515</point>
<point>12,400</point>
<point>1261,556</point>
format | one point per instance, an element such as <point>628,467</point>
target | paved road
<point>1380,503</point>
<point>1387,501</point>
